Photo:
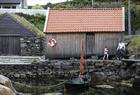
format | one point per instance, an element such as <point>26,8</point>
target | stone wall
<point>31,46</point>
<point>101,71</point>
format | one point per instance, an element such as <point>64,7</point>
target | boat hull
<point>76,85</point>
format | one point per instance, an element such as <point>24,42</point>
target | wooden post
<point>92,2</point>
<point>129,17</point>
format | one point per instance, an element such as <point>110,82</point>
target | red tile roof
<point>84,20</point>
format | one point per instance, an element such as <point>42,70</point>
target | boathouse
<point>98,27</point>
<point>18,36</point>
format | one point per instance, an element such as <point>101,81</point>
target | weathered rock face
<point>113,71</point>
<point>6,91</point>
<point>6,86</point>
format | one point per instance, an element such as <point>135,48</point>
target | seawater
<point>118,90</point>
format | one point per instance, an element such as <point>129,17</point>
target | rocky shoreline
<point>55,71</point>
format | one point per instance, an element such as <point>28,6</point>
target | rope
<point>29,86</point>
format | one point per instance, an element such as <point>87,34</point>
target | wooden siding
<point>110,40</point>
<point>68,45</point>
<point>9,45</point>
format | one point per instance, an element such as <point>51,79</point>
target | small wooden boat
<point>76,84</point>
<point>82,82</point>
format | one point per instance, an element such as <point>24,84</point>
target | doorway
<point>90,43</point>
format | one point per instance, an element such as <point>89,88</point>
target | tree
<point>37,7</point>
<point>48,5</point>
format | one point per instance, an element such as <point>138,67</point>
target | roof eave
<point>84,32</point>
<point>46,20</point>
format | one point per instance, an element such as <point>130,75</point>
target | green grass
<point>135,42</point>
<point>134,45</point>
<point>27,24</point>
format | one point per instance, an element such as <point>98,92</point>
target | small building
<point>13,4</point>
<point>18,36</point>
<point>97,27</point>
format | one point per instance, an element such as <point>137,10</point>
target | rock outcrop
<point>6,87</point>
<point>6,91</point>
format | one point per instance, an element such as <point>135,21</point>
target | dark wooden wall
<point>9,45</point>
<point>68,44</point>
<point>109,40</point>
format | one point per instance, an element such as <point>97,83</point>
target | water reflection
<point>117,90</point>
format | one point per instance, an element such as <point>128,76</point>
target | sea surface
<point>100,90</point>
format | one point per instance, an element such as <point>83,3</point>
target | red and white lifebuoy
<point>52,42</point>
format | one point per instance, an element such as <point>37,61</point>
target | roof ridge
<point>86,8</point>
